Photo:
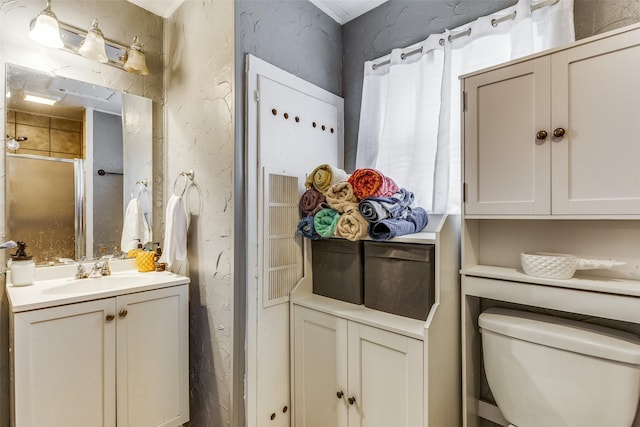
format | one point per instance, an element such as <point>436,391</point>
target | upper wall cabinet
<point>556,134</point>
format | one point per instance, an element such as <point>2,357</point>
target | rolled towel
<point>311,202</point>
<point>376,209</point>
<point>387,229</point>
<point>368,182</point>
<point>324,176</point>
<point>307,229</point>
<point>325,222</point>
<point>352,225</point>
<point>340,197</point>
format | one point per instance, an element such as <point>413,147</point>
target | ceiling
<point>342,11</point>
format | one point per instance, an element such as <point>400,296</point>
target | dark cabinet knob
<point>559,133</point>
<point>110,317</point>
<point>123,312</point>
<point>352,400</point>
<point>340,394</point>
<point>542,135</point>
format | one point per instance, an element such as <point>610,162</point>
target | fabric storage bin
<point>337,269</point>
<point>399,278</point>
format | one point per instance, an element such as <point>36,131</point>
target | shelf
<point>406,326</point>
<point>583,282</point>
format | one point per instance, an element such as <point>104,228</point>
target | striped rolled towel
<point>325,222</point>
<point>368,182</point>
<point>376,209</point>
<point>324,176</point>
<point>311,202</point>
<point>352,225</point>
<point>340,196</point>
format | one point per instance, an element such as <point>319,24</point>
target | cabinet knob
<point>110,317</point>
<point>352,400</point>
<point>123,312</point>
<point>340,394</point>
<point>542,135</point>
<point>559,133</point>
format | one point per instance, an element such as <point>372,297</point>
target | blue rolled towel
<point>376,209</point>
<point>387,229</point>
<point>307,229</point>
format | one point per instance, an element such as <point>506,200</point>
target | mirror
<point>73,167</point>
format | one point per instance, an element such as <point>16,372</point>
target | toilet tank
<point>548,371</point>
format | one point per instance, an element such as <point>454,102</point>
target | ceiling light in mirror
<point>40,99</point>
<point>93,45</point>
<point>45,29</point>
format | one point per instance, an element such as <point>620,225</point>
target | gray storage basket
<point>399,278</point>
<point>337,269</point>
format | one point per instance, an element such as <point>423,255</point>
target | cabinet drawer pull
<point>340,394</point>
<point>352,400</point>
<point>542,135</point>
<point>559,133</point>
<point>123,312</point>
<point>110,317</point>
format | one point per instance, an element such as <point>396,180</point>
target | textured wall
<point>200,136</point>
<point>120,21</point>
<point>598,16</point>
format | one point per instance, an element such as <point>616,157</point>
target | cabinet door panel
<point>507,169</point>
<point>320,369</point>
<point>153,364</point>
<point>596,166</point>
<point>64,366</point>
<point>385,378</point>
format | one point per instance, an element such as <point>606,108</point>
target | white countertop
<point>56,286</point>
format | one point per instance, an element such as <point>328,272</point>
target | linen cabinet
<point>556,134</point>
<point>354,366</point>
<point>119,361</point>
<point>551,163</point>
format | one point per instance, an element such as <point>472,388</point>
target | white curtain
<point>410,114</point>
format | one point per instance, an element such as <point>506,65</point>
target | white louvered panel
<point>283,257</point>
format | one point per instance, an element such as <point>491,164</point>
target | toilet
<point>553,372</point>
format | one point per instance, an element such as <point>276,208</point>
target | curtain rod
<point>467,32</point>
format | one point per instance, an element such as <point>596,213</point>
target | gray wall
<point>400,23</point>
<point>301,39</point>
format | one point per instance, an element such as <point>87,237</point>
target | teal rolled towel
<point>325,222</point>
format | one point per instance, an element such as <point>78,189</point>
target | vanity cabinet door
<point>153,358</point>
<point>385,378</point>
<point>64,366</point>
<point>320,369</point>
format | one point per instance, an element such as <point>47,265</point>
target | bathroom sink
<point>91,285</point>
<point>57,285</point>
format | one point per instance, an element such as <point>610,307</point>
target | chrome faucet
<point>81,272</point>
<point>101,267</point>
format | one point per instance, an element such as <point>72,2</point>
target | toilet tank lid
<point>565,334</point>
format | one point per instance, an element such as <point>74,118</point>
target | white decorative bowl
<point>549,265</point>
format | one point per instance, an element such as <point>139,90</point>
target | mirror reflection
<point>76,155</point>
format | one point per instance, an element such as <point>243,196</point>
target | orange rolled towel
<point>368,182</point>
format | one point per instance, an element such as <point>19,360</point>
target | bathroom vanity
<point>550,164</point>
<point>108,351</point>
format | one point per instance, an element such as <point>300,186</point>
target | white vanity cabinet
<point>350,374</point>
<point>556,134</point>
<point>119,361</point>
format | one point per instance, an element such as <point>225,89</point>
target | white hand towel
<point>135,226</point>
<point>175,232</point>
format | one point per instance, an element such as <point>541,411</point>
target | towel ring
<point>139,187</point>
<point>188,178</point>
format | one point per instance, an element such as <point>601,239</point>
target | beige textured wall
<point>199,51</point>
<point>120,21</point>
<point>593,17</point>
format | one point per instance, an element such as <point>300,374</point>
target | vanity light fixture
<point>136,60</point>
<point>93,45</point>
<point>45,29</point>
<point>40,99</point>
<point>14,143</point>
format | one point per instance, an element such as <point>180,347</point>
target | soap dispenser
<point>22,266</point>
